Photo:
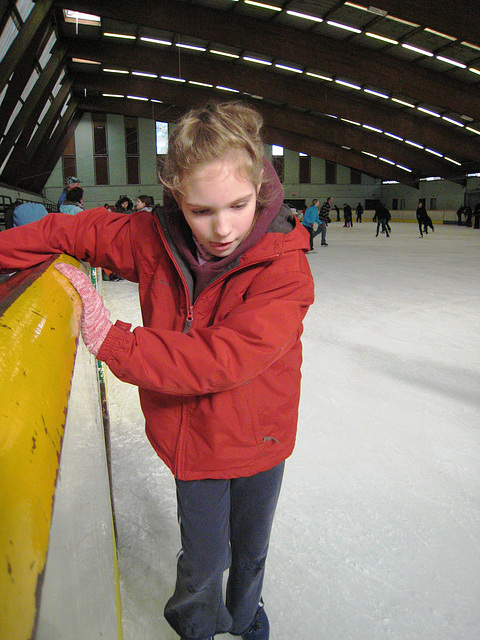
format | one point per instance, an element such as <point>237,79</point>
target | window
<point>330,172</point>
<point>433,204</point>
<point>162,144</point>
<point>99,123</point>
<point>304,172</point>
<point>162,138</point>
<point>277,161</point>
<point>355,176</point>
<point>131,147</point>
<point>69,161</point>
<point>395,204</point>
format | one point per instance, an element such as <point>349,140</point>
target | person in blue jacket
<point>309,219</point>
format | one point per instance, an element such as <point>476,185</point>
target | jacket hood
<point>273,218</point>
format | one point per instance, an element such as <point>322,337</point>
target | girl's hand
<point>95,323</point>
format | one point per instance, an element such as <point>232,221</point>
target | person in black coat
<point>382,216</point>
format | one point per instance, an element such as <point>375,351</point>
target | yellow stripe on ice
<point>38,333</point>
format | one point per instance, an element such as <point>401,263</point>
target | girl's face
<point>219,206</point>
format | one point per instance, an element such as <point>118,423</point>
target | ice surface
<point>377,534</point>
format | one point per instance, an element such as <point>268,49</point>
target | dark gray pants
<point>223,524</point>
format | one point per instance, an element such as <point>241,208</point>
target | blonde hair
<point>211,133</point>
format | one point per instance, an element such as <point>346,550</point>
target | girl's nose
<point>222,224</point>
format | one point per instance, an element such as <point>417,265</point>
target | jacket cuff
<point>115,337</point>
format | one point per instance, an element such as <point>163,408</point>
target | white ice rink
<point>377,534</point>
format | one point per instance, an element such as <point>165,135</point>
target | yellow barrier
<point>39,324</point>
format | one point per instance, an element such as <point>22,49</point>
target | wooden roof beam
<point>319,97</point>
<point>305,48</point>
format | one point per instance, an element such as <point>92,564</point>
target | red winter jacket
<point>219,378</point>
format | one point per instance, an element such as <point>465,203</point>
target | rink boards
<point>58,572</point>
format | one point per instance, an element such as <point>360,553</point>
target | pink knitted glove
<point>95,322</point>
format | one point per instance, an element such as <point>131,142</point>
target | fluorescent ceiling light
<point>392,135</point>
<point>156,41</point>
<point>356,6</point>
<point>370,128</point>
<point>438,33</point>
<point>125,36</point>
<point>224,53</point>
<point>372,155</point>
<point>348,84</point>
<point>262,5</point>
<point>144,74</point>
<point>112,95</point>
<point>459,124</point>
<point>410,24</point>
<point>390,182</point>
<point>319,76</point>
<point>83,61</point>
<point>138,98</point>
<point>124,71</point>
<point>201,84</point>
<point>343,26</point>
<point>471,46</point>
<point>357,124</point>
<point>386,160</point>
<point>453,161</point>
<point>256,60</point>
<point>172,78</point>
<point>405,104</point>
<point>379,37</point>
<point>304,15</point>
<point>423,52</point>
<point>452,62</point>
<point>430,179</point>
<point>377,93</point>
<point>220,88</point>
<point>473,130</point>
<point>287,68</point>
<point>192,47</point>
<point>430,113</point>
<point>473,70</point>
<point>414,144</point>
<point>435,153</point>
<point>473,175</point>
<point>155,100</point>
<point>400,166</point>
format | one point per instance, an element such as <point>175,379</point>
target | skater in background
<point>468,216</point>
<point>73,203</point>
<point>225,285</point>
<point>144,203</point>
<point>70,183</point>
<point>347,215</point>
<point>124,205</point>
<point>309,219</point>
<point>423,219</point>
<point>359,212</point>
<point>338,212</point>
<point>382,217</point>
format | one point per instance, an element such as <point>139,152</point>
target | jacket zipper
<point>179,452</point>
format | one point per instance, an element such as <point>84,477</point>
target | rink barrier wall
<point>39,327</point>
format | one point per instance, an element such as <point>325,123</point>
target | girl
<point>224,286</point>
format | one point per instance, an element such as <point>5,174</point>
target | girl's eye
<point>239,205</point>
<point>200,212</point>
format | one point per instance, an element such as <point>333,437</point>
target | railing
<point>54,486</point>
